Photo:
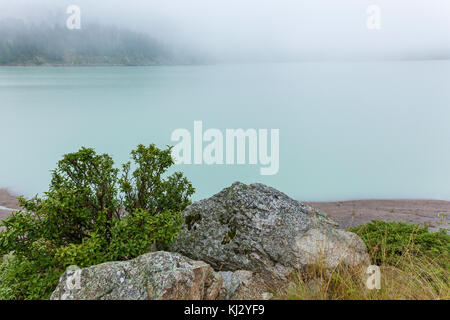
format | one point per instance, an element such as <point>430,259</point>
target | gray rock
<point>243,285</point>
<point>231,283</point>
<point>158,275</point>
<point>257,228</point>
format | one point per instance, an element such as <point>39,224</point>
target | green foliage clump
<point>90,215</point>
<point>23,278</point>
<point>389,241</point>
<point>145,189</point>
<point>137,233</point>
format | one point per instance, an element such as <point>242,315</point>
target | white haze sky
<point>259,29</point>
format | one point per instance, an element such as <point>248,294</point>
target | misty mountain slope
<point>22,44</point>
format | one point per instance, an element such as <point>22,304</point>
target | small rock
<point>243,285</point>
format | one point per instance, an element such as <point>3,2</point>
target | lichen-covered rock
<point>257,228</point>
<point>331,247</point>
<point>157,275</point>
<point>243,285</point>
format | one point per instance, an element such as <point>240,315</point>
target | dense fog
<point>254,30</point>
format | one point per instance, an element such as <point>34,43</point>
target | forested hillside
<point>44,44</point>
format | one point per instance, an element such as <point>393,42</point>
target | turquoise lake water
<point>347,130</point>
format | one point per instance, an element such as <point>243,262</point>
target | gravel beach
<point>357,212</point>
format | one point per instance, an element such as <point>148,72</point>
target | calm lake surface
<point>347,130</point>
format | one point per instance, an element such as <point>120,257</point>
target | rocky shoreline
<point>246,242</point>
<point>241,243</point>
<point>8,201</point>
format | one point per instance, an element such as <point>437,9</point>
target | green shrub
<point>92,250</point>
<point>28,278</point>
<point>145,189</point>
<point>388,241</point>
<point>139,232</point>
<point>88,216</point>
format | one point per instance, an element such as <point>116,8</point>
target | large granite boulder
<point>157,275</point>
<point>258,228</point>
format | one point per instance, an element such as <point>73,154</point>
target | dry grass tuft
<point>412,276</point>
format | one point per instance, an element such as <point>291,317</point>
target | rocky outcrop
<point>257,228</point>
<point>155,276</point>
<point>241,243</point>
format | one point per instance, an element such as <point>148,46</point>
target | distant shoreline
<point>7,201</point>
<point>208,63</point>
<point>345,213</point>
<point>86,65</point>
<point>352,213</point>
<point>106,65</point>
